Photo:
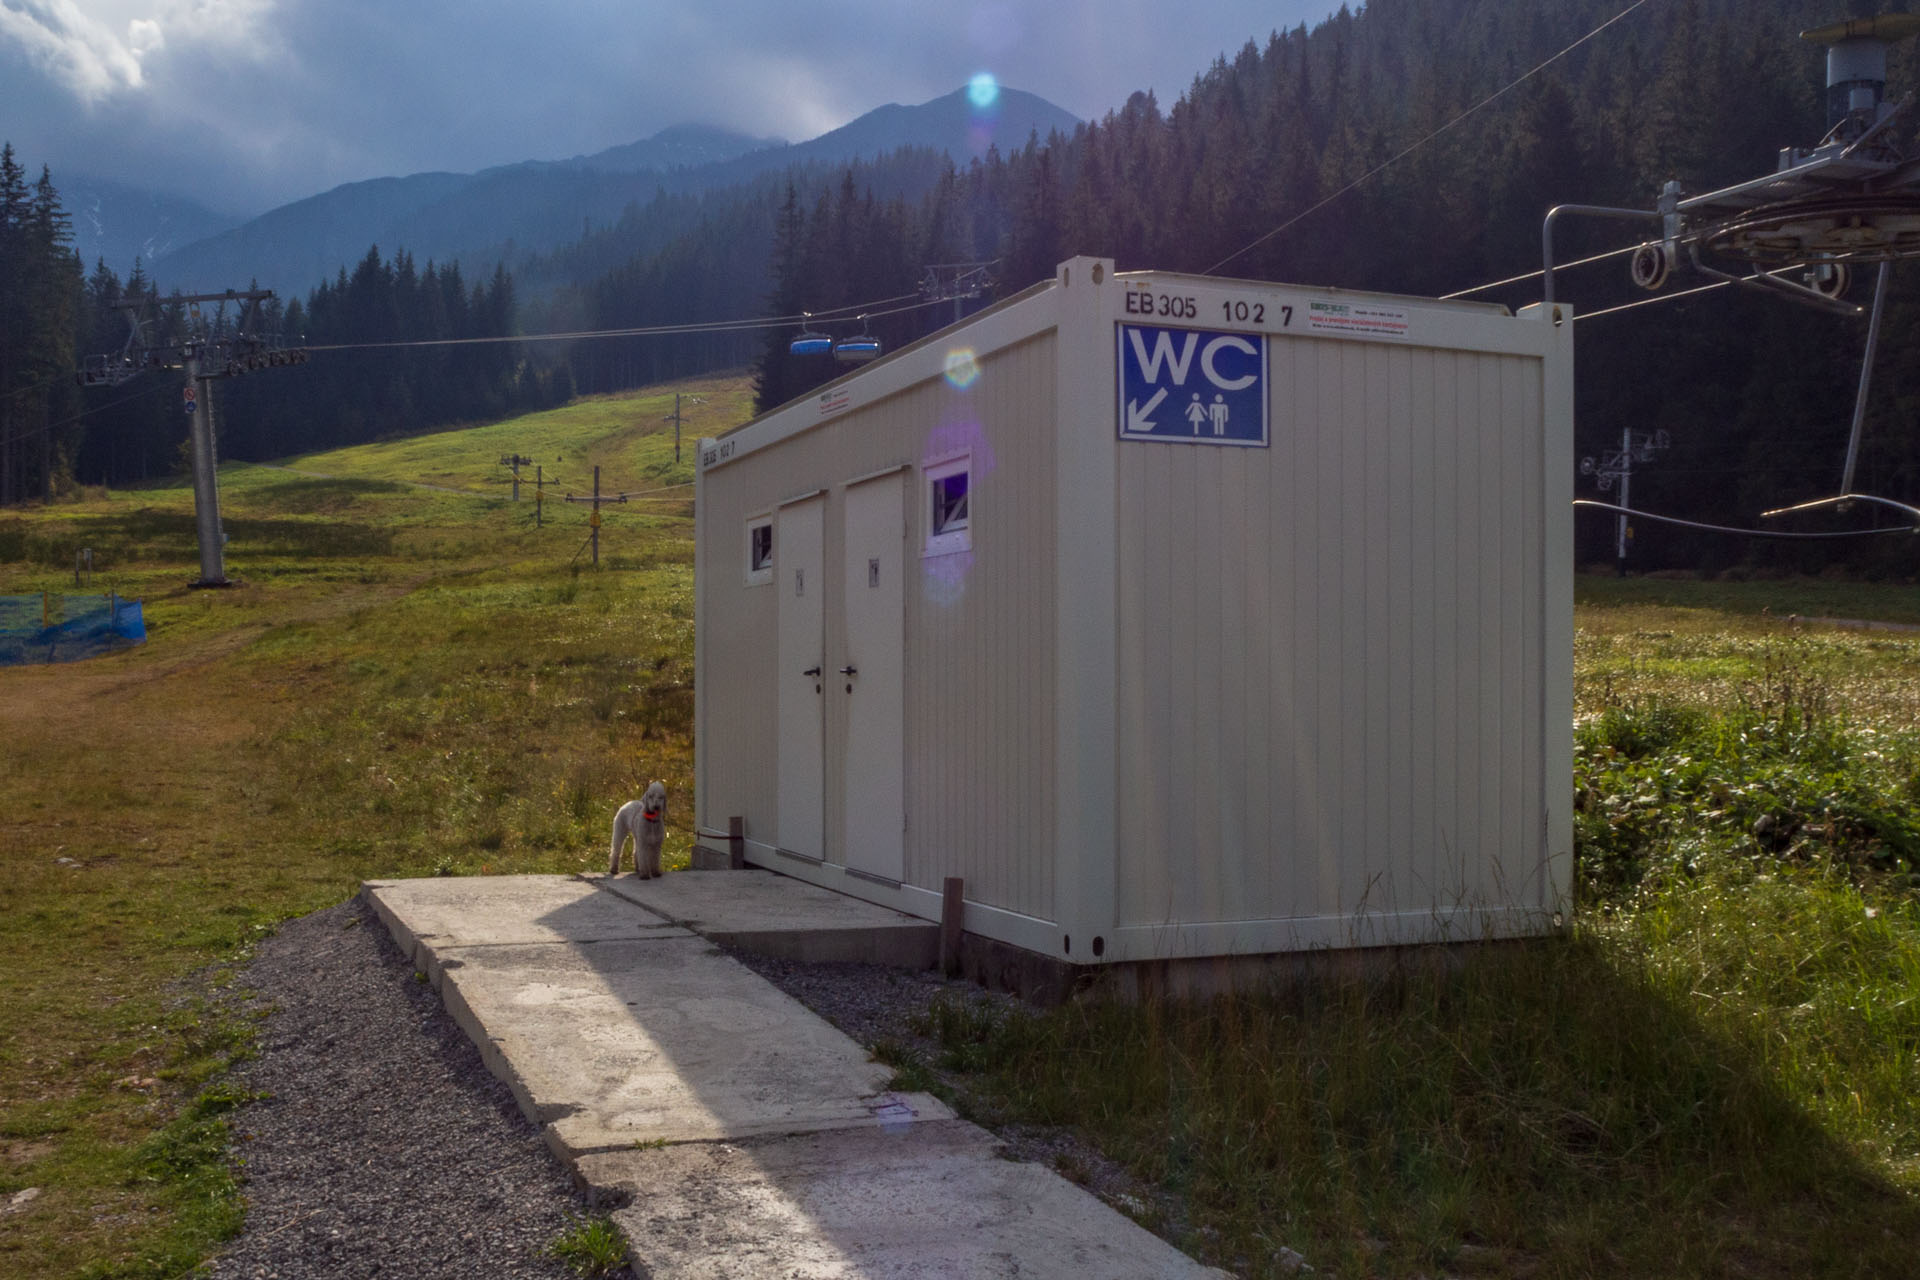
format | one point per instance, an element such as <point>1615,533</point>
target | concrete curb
<point>741,1134</point>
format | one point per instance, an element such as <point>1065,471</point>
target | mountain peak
<point>678,146</point>
<point>536,206</point>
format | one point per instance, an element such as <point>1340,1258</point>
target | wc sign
<point>1192,386</point>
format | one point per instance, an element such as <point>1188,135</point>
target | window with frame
<point>949,511</point>
<point>759,550</point>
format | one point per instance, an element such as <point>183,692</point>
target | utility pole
<point>593,521</point>
<point>204,353</point>
<point>1635,446</point>
<point>674,418</point>
<point>516,462</point>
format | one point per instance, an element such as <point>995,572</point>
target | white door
<point>871,676</point>
<point>799,542</point>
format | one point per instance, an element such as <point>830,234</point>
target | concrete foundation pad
<point>610,1044</point>
<point>460,911</point>
<point>779,916</point>
<point>749,1136</point>
<point>925,1200</point>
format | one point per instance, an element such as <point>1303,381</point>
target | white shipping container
<point>1178,616</point>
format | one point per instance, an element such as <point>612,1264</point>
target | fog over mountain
<point>512,210</point>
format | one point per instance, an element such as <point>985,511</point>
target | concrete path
<point>751,1137</point>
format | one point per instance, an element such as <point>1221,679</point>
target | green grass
<point>594,1247</point>
<point>1716,1074</point>
<point>407,681</point>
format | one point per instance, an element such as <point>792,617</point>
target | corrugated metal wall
<point>1331,649</point>
<point>737,648</point>
<point>980,649</point>
<point>980,707</point>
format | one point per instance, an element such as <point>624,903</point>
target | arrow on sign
<point>1140,420</point>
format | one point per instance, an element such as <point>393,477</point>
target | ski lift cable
<point>1408,150</point>
<point>638,331</point>
<point>1684,293</point>
<point>714,326</point>
<point>1534,275</point>
<point>30,432</point>
<point>1612,509</point>
<point>1648,302</point>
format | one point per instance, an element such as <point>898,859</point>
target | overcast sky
<point>246,104</point>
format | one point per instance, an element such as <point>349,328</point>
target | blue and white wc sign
<point>1192,386</point>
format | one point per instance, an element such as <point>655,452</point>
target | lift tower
<point>206,350</point>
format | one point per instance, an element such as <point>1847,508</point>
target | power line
<point>1402,154</point>
<point>30,387</point>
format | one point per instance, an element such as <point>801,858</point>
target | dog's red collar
<point>651,815</point>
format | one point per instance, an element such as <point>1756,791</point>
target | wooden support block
<point>952,906</point>
<point>736,843</point>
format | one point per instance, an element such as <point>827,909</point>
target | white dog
<point>645,820</point>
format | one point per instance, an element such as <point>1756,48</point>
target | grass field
<point>409,681</point>
<point>1718,1075</point>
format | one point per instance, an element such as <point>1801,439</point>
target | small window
<point>759,550</point>
<point>949,509</point>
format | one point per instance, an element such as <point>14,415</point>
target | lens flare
<point>962,367</point>
<point>943,579</point>
<point>951,439</point>
<point>983,90</point>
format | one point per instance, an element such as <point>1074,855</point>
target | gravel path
<point>384,1147</point>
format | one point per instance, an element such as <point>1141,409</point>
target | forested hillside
<point>1337,155</point>
<point>40,315</point>
<point>1754,393</point>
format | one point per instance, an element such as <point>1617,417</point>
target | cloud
<point>76,50</point>
<point>244,104</point>
<point>101,48</point>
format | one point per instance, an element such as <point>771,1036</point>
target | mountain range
<point>508,212</point>
<point>116,223</point>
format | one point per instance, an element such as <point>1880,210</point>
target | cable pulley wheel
<point>1650,266</point>
<point>1830,279</point>
<point>1869,228</point>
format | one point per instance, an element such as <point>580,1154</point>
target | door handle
<point>811,671</point>
<point>849,671</point>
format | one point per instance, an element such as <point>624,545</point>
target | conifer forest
<point>1233,178</point>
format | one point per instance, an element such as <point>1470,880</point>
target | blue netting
<point>66,628</point>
